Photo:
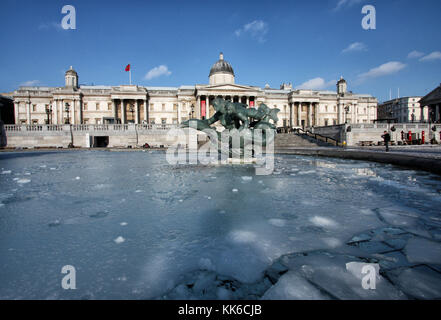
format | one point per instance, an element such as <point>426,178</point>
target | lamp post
<point>48,113</point>
<point>67,105</point>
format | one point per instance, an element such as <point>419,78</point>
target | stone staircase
<point>295,140</point>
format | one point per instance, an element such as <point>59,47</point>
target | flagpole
<point>130,77</point>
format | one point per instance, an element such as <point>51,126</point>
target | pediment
<point>434,96</point>
<point>230,87</point>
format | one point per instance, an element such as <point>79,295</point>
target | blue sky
<point>173,43</point>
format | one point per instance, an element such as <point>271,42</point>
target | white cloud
<point>436,55</point>
<point>158,71</point>
<point>30,83</point>
<point>415,54</point>
<point>50,25</point>
<point>356,46</point>
<point>383,70</point>
<point>257,29</point>
<point>316,84</point>
<point>346,3</point>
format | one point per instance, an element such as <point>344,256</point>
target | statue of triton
<point>240,120</point>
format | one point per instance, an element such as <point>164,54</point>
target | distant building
<point>80,104</point>
<point>432,102</point>
<point>402,110</point>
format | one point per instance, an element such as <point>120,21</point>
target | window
<point>326,122</point>
<point>86,121</point>
<point>175,107</point>
<point>152,106</point>
<point>152,121</point>
<point>34,108</point>
<point>85,106</point>
<point>335,108</point>
<point>326,110</point>
<point>109,106</point>
<point>175,121</point>
<point>164,121</point>
<point>23,121</point>
<point>334,122</point>
<point>97,120</point>
<point>34,121</point>
<point>163,107</point>
<point>97,106</point>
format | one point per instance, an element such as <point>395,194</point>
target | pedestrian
<point>386,137</point>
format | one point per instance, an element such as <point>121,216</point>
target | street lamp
<point>346,114</point>
<point>48,113</point>
<point>67,111</point>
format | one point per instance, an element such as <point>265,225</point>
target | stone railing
<point>88,127</point>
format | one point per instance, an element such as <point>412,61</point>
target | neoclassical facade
<point>81,104</point>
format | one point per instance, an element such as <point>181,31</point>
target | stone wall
<point>60,136</point>
<point>372,132</point>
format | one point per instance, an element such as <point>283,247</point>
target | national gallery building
<point>82,104</point>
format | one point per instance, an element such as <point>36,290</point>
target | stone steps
<point>292,140</point>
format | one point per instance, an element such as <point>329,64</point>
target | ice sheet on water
<point>323,222</point>
<point>176,234</point>
<point>293,287</point>
<point>419,282</point>
<point>23,181</point>
<point>328,271</point>
<point>423,251</point>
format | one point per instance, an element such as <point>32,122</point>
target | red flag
<point>128,67</point>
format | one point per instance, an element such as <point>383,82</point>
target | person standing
<point>386,138</point>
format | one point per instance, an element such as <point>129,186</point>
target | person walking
<point>386,138</point>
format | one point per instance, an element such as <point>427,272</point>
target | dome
<point>71,71</point>
<point>221,66</point>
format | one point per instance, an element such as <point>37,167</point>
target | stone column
<point>123,115</point>
<point>28,103</point>
<point>146,111</point>
<point>136,112</point>
<point>55,109</point>
<point>115,114</point>
<point>61,112</point>
<point>16,112</point>
<point>290,115</point>
<point>73,111</point>
<point>310,114</point>
<point>368,114</point>
<point>179,112</point>
<point>207,107</point>
<point>80,111</point>
<point>198,107</point>
<point>299,114</point>
<point>339,116</point>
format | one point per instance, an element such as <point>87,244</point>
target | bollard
<point>423,137</point>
